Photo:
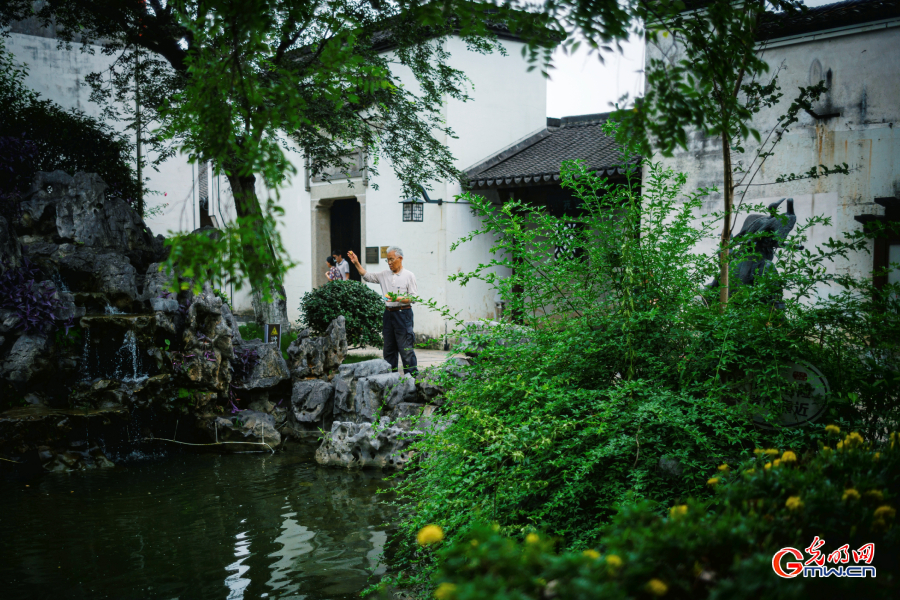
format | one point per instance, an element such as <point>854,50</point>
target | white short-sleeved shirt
<point>344,268</point>
<point>403,283</point>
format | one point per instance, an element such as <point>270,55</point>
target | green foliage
<point>222,296</point>
<point>620,357</point>
<point>844,497</point>
<point>66,140</point>
<point>361,307</point>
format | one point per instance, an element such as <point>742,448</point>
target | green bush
<point>621,362</point>
<point>843,497</point>
<point>361,307</point>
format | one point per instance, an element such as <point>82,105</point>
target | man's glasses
<point>390,260</point>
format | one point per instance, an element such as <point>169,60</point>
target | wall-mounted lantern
<point>414,208</point>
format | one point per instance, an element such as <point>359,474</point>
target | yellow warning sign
<point>273,334</point>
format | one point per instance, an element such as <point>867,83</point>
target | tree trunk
<point>246,204</point>
<point>726,226</point>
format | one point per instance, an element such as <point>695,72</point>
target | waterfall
<point>86,355</point>
<point>112,310</point>
<point>128,362</point>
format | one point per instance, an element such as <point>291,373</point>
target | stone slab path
<point>426,358</point>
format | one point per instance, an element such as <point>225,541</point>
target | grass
<point>355,358</point>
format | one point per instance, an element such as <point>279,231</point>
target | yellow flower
<point>758,451</point>
<point>788,456</point>
<point>767,466</point>
<point>429,535</point>
<point>772,452</point>
<point>840,446</point>
<point>445,591</point>
<point>876,456</point>
<point>885,511</point>
<point>713,481</point>
<point>854,439</point>
<point>677,511</point>
<point>749,471</point>
<point>850,494</point>
<point>474,543</point>
<point>657,587</point>
<point>834,429</point>
<point>875,495</point>
<point>794,503</point>
<point>613,560</point>
<point>722,468</point>
<point>532,538</point>
<point>826,449</point>
<point>777,462</point>
<point>592,554</point>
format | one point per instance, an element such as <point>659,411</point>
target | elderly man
<point>397,322</point>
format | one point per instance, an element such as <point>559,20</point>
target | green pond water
<point>195,526</point>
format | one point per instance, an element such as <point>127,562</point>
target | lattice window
<point>570,236</point>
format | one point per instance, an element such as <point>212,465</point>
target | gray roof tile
<point>538,158</point>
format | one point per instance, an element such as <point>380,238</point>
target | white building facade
<point>508,104</point>
<point>853,46</point>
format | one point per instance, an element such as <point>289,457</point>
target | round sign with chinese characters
<point>808,402</point>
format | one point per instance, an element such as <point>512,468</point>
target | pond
<point>195,526</point>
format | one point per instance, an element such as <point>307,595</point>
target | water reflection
<point>241,526</point>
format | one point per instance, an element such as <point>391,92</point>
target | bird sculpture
<point>758,238</point>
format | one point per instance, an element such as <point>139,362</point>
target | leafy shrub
<point>361,307</point>
<point>33,301</point>
<point>621,362</point>
<point>843,497</point>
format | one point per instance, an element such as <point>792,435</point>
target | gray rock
<point>358,445</point>
<point>78,209</point>
<point>28,361</point>
<point>164,305</point>
<point>345,382</point>
<point>10,252</point>
<point>207,343</point>
<point>9,320</point>
<point>232,322</point>
<point>89,270</point>
<point>270,368</point>
<point>159,283</point>
<point>312,400</point>
<point>68,309</point>
<point>319,356</point>
<point>249,426</point>
<point>380,393</point>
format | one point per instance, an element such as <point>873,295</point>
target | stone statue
<point>761,249</point>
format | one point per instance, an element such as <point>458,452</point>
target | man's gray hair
<point>395,250</point>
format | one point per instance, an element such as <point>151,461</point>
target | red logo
<point>795,567</point>
<point>815,565</point>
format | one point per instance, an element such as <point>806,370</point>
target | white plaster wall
<point>508,103</point>
<point>865,90</point>
<point>58,74</point>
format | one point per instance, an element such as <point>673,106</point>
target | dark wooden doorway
<point>345,234</point>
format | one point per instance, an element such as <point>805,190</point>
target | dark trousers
<point>399,339</point>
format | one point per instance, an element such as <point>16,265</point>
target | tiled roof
<point>829,16</point>
<point>537,159</point>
